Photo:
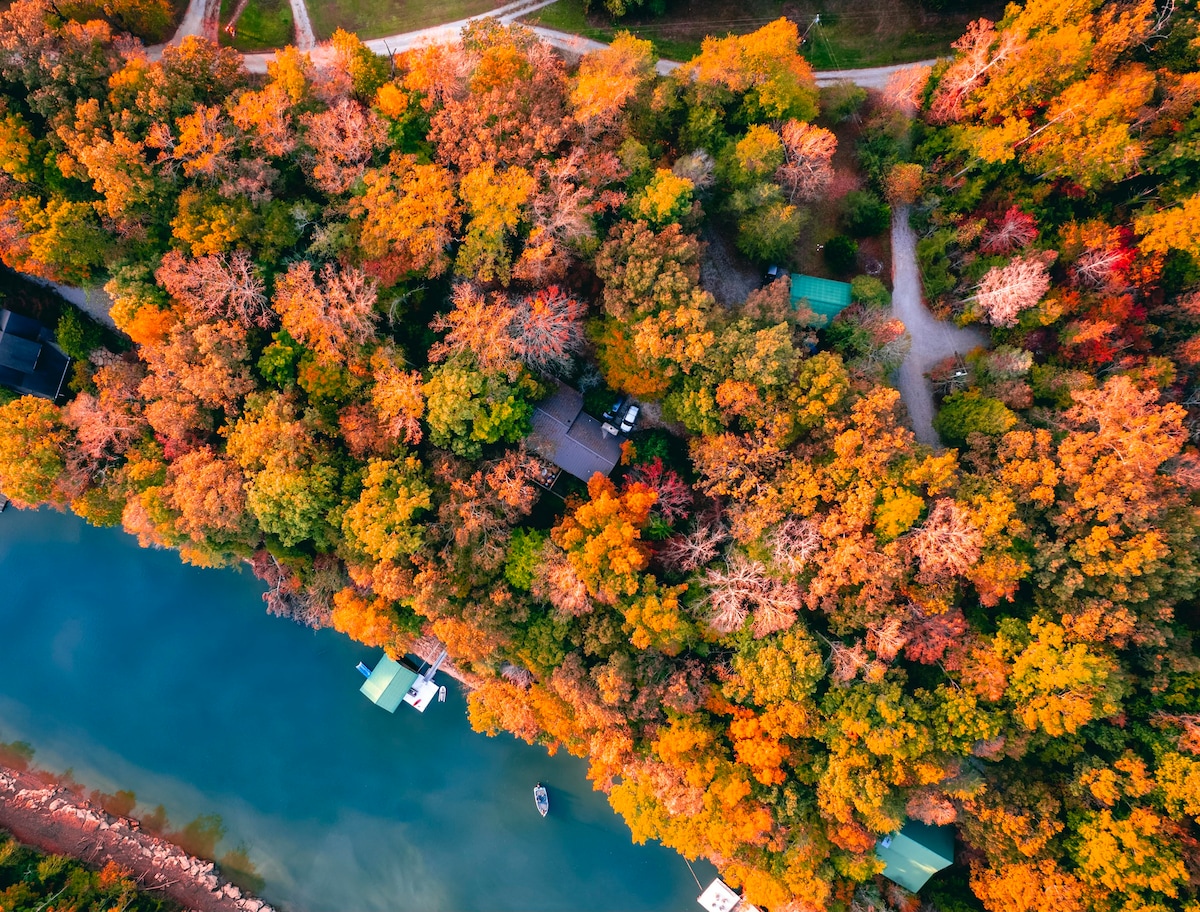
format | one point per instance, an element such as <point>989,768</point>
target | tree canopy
<point>783,627</point>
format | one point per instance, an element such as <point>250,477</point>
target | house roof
<point>916,853</point>
<point>388,683</point>
<point>19,354</point>
<point>564,406</point>
<point>29,361</point>
<point>571,439</point>
<point>825,297</point>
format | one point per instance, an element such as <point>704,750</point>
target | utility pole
<point>816,21</point>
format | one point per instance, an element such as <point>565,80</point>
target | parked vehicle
<point>772,273</point>
<point>614,412</point>
<point>630,419</point>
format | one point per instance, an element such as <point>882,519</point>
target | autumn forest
<point>782,627</point>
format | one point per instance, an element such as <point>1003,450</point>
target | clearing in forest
<point>851,34</point>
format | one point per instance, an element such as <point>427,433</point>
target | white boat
<point>541,799</point>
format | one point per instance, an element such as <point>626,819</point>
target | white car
<point>629,419</point>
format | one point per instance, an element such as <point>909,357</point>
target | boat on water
<point>541,799</point>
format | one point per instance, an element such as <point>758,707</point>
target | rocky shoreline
<point>41,813</point>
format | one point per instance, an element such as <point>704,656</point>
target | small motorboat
<point>541,799</point>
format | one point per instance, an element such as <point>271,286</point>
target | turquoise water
<point>141,673</point>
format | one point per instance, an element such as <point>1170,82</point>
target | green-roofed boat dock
<point>391,683</point>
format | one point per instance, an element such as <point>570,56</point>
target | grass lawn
<point>263,25</point>
<point>377,18</point>
<point>852,33</point>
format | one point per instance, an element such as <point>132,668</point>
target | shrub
<point>770,233</point>
<point>524,549</point>
<point>870,291</point>
<point>16,754</point>
<point>78,334</point>
<point>653,444</point>
<point>280,359</point>
<point>970,412</point>
<point>665,199</point>
<point>882,145</point>
<point>841,253</point>
<point>934,261</point>
<point>866,215</point>
<point>843,100</point>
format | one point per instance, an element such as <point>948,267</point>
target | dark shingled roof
<point>19,354</point>
<point>570,439</point>
<point>29,361</point>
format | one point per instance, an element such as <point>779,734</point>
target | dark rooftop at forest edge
<point>30,363</point>
<point>571,439</point>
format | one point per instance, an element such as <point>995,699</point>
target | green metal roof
<point>825,297</point>
<point>916,853</point>
<point>388,683</point>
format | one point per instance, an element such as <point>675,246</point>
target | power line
<point>694,877</point>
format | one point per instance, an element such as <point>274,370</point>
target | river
<point>138,672</point>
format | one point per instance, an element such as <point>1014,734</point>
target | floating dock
<point>392,683</point>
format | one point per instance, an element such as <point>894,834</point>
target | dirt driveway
<point>932,339</point>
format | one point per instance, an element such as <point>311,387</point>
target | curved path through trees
<point>932,339</point>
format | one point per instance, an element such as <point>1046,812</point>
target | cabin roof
<point>19,354</point>
<point>825,297</point>
<point>29,362</point>
<point>570,438</point>
<point>916,853</point>
<point>389,682</point>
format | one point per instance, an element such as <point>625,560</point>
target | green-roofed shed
<point>388,683</point>
<point>916,853</point>
<point>824,297</point>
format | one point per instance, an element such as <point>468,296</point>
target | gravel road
<point>305,40</point>
<point>202,17</point>
<point>932,339</point>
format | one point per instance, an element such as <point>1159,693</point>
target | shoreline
<point>41,813</point>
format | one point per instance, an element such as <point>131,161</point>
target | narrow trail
<point>203,18</point>
<point>305,40</point>
<point>237,13</point>
<point>94,301</point>
<point>932,339</point>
